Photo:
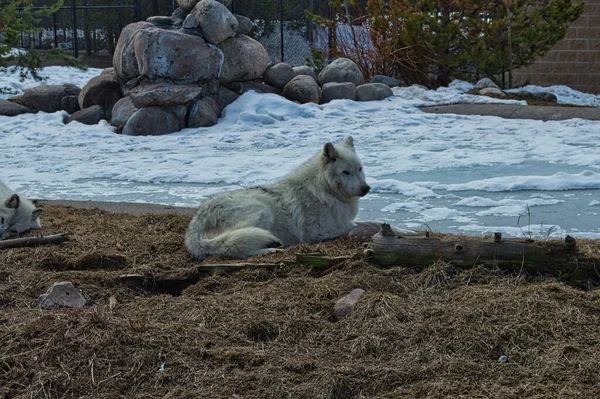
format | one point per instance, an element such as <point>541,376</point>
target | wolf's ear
<point>13,202</point>
<point>35,215</point>
<point>349,141</point>
<point>329,152</point>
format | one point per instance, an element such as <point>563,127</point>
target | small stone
<point>62,294</point>
<point>386,80</point>
<point>492,91</point>
<point>486,82</point>
<point>345,305</point>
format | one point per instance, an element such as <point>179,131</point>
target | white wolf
<point>316,202</point>
<point>17,214</point>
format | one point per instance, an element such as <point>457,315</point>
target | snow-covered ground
<point>451,173</point>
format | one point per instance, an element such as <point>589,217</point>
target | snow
<point>451,173</point>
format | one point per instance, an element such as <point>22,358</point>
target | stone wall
<point>574,61</point>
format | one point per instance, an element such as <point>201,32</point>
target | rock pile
<point>181,71</point>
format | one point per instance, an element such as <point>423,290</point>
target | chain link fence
<point>92,27</point>
<point>285,31</point>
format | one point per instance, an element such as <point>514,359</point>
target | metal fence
<point>93,26</point>
<point>284,30</point>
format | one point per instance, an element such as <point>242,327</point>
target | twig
<point>33,241</point>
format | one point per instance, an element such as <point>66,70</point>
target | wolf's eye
<point>360,169</point>
<point>1,220</point>
<point>346,172</point>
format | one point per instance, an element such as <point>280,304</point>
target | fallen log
<point>561,260</point>
<point>33,241</point>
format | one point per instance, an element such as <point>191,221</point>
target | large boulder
<point>245,25</point>
<point>204,113</point>
<point>305,70</point>
<point>188,5</point>
<point>341,70</point>
<point>124,60</point>
<point>485,83</point>
<point>244,59</point>
<point>373,92</point>
<point>121,112</point>
<point>88,116</point>
<point>51,98</point>
<point>279,75</point>
<point>225,97</point>
<point>154,121</point>
<point>386,80</point>
<point>8,108</point>
<point>259,88</point>
<point>338,91</point>
<point>216,21</point>
<point>104,90</point>
<point>176,56</point>
<point>163,94</point>
<point>302,89</point>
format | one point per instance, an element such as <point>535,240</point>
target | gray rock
<point>373,92</point>
<point>164,22</point>
<point>216,21</point>
<point>340,71</point>
<point>108,71</point>
<point>244,59</point>
<point>121,113</point>
<point>492,92</point>
<point>187,5</point>
<point>525,94</point>
<point>124,60</point>
<point>51,98</point>
<point>302,89</point>
<point>260,88</point>
<point>204,113</point>
<point>163,94</point>
<point>190,22</point>
<point>165,54</point>
<point>546,96</point>
<point>225,97</point>
<point>338,91</point>
<point>8,108</point>
<point>154,121</point>
<point>245,25</point>
<point>345,305</point>
<point>279,75</point>
<point>104,90</point>
<point>179,14</point>
<point>386,80</point>
<point>62,294</point>
<point>88,116</point>
<point>306,70</point>
<point>486,82</point>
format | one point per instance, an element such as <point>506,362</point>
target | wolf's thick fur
<point>316,202</point>
<point>17,213</point>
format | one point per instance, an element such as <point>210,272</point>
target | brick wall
<point>574,61</point>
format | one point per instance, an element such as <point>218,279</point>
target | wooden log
<point>33,241</point>
<point>561,259</point>
<point>318,260</point>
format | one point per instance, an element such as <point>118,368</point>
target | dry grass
<point>438,332</point>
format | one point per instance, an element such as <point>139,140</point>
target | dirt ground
<point>170,332</point>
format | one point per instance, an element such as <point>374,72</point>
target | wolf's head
<point>343,169</point>
<point>17,216</point>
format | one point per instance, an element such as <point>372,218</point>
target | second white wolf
<point>316,202</point>
<point>17,213</point>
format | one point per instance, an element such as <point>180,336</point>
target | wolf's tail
<point>239,243</point>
